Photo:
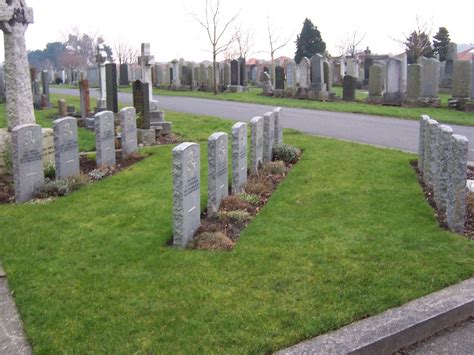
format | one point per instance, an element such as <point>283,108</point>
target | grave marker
<point>66,148</point>
<point>256,144</point>
<point>105,138</point>
<point>239,156</point>
<point>218,186</point>
<point>128,125</point>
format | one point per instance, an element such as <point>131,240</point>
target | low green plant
<point>54,188</point>
<point>250,198</point>
<point>286,153</point>
<point>238,216</point>
<point>274,168</point>
<point>50,170</point>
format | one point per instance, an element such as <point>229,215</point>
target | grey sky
<point>173,33</point>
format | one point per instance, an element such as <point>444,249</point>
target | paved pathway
<point>12,338</point>
<point>381,131</point>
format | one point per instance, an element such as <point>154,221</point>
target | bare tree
<point>276,43</point>
<point>418,42</point>
<point>216,31</point>
<point>245,40</point>
<point>125,53</point>
<point>350,44</point>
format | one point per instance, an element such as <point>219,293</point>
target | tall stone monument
<point>101,58</point>
<point>146,63</point>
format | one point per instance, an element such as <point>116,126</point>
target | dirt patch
<point>222,231</point>
<point>440,215</point>
<point>171,138</point>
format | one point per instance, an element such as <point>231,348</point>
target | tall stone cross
<point>146,62</point>
<point>101,58</point>
<point>14,19</point>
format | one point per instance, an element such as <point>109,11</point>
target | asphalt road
<point>380,131</point>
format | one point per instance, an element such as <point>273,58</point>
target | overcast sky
<point>173,33</point>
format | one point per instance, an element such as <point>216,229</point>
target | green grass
<point>45,119</point>
<point>253,96</point>
<point>347,235</point>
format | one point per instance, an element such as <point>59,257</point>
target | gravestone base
<point>375,100</point>
<point>459,103</point>
<point>290,92</point>
<point>433,102</point>
<point>318,95</point>
<point>301,93</point>
<point>278,93</point>
<point>146,137</point>
<point>392,99</point>
<point>469,106</point>
<point>236,88</point>
<point>6,149</point>
<point>317,87</point>
<point>162,128</point>
<point>332,97</point>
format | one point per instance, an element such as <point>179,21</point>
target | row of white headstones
<point>443,164</point>
<point>266,133</point>
<point>28,156</point>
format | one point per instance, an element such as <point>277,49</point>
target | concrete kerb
<point>398,327</point>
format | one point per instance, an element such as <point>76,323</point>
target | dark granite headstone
<point>348,88</point>
<point>368,61</point>
<point>111,87</point>
<point>279,78</point>
<point>234,73</point>
<point>241,71</point>
<point>124,75</point>
<point>186,76</point>
<point>171,76</point>
<point>141,102</point>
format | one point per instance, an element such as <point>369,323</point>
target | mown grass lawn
<point>253,96</point>
<point>347,235</point>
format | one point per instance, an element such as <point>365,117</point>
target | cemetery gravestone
<point>317,73</point>
<point>348,88</point>
<point>242,79</point>
<point>218,188</point>
<point>456,204</point>
<point>415,78</point>
<point>376,80</point>
<point>45,82</point>
<point>239,156</point>
<point>304,71</point>
<point>84,98</point>
<point>268,136</point>
<point>186,192</point>
<point>234,72</point>
<point>27,161</point>
<point>62,108</point>
<point>124,74</point>
<point>111,84</point>
<point>105,139</point>
<point>128,125</point>
<point>279,78</point>
<point>462,79</point>
<point>141,103</point>
<point>256,144</point>
<point>421,141</point>
<point>101,58</point>
<point>66,148</point>
<point>441,187</point>
<point>278,127</point>
<point>393,94</point>
<point>430,75</point>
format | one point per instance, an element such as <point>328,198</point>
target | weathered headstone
<point>349,85</point>
<point>234,72</point>
<point>353,68</point>
<point>14,19</point>
<point>304,68</point>
<point>430,84</point>
<point>291,74</point>
<point>327,68</point>
<point>278,127</point>
<point>62,108</point>
<point>376,80</point>
<point>111,84</point>
<point>128,129</point>
<point>415,78</point>
<point>226,74</point>
<point>124,75</point>
<point>186,192</point>
<point>451,58</point>
<point>462,79</point>
<point>176,82</point>
<point>218,175</point>
<point>27,161</point>
<point>268,136</point>
<point>101,58</point>
<point>421,141</point>
<point>84,95</point>
<point>429,145</point>
<point>105,138</point>
<point>141,102</point>
<point>441,181</point>
<point>256,144</point>
<point>317,73</point>
<point>66,148</point>
<point>239,156</point>
<point>279,78</point>
<point>472,78</point>
<point>393,94</point>
<point>456,204</point>
<point>242,79</point>
<point>45,81</point>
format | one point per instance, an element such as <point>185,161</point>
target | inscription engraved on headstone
<point>239,156</point>
<point>66,147</point>
<point>218,186</point>
<point>27,161</point>
<point>105,138</point>
<point>186,192</point>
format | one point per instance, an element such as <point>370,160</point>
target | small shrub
<point>286,153</point>
<point>212,241</point>
<point>50,170</point>
<point>238,216</point>
<point>54,188</point>
<point>232,203</point>
<point>274,168</point>
<point>257,188</point>
<point>250,198</point>
<point>97,174</point>
<point>76,182</point>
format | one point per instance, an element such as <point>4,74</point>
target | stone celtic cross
<point>14,19</point>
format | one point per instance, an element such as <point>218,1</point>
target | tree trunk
<point>214,64</point>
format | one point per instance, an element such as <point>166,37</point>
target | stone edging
<point>12,337</point>
<point>398,327</point>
